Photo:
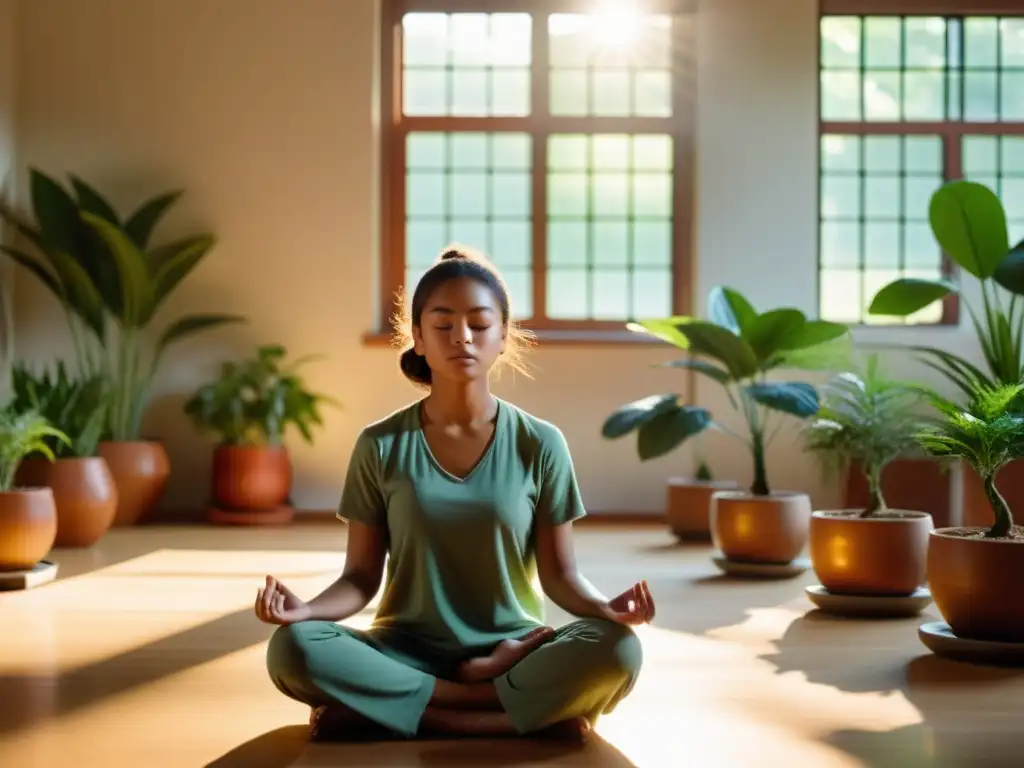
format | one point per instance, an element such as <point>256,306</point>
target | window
<point>907,102</point>
<point>553,137</point>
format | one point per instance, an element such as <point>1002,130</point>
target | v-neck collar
<point>498,419</point>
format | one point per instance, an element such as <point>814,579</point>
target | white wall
<point>264,111</point>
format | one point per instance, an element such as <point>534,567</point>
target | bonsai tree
<point>969,223</point>
<point>737,348</point>
<point>78,406</point>
<point>868,421</point>
<point>23,433</point>
<point>254,401</point>
<point>986,433</point>
<point>111,280</point>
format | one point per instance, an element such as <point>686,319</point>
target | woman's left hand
<point>634,606</point>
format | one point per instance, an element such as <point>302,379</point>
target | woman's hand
<point>634,606</point>
<point>276,604</point>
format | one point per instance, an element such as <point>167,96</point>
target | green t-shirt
<point>461,569</point>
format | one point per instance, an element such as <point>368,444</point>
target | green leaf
<point>34,266</point>
<point>811,334</point>
<point>969,223</point>
<point>92,201</point>
<point>81,292</point>
<point>1010,272</point>
<point>137,288</point>
<point>178,260</point>
<point>140,224</point>
<point>721,344</point>
<point>766,331</point>
<point>796,398</point>
<point>56,212</point>
<point>665,329</point>
<point>190,325</point>
<point>667,430</point>
<point>631,415</point>
<point>729,309</point>
<point>907,295</point>
<point>701,366</point>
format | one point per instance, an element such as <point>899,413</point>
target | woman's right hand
<point>276,604</point>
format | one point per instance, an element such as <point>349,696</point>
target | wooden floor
<point>146,653</point>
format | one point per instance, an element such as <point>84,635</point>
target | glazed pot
<point>688,507</point>
<point>84,492</point>
<point>140,469</point>
<point>855,555</point>
<point>977,583</point>
<point>251,477</point>
<point>28,527</point>
<point>760,529</point>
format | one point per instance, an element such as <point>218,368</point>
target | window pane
<point>471,64</point>
<point>567,243</point>
<point>925,42</point>
<point>840,41</point>
<point>981,43</point>
<point>840,95</point>
<point>568,293</point>
<point>652,293</point>
<point>1012,42</point>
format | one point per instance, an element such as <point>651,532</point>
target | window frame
<point>951,133</point>
<point>394,127</point>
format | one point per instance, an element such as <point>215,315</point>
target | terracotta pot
<point>977,583</point>
<point>84,492</point>
<point>762,529</point>
<point>28,527</point>
<point>872,555</point>
<point>140,469</point>
<point>251,477</point>
<point>688,508</point>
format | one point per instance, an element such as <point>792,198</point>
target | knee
<point>620,651</point>
<point>288,650</point>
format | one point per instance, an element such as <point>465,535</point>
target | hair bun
<point>452,253</point>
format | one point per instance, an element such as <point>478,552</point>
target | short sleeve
<point>559,499</point>
<point>362,500</point>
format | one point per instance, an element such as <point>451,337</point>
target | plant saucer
<point>879,606</point>
<point>41,573</point>
<point>756,570</point>
<point>940,640</point>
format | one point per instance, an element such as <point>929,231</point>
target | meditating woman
<point>469,498</point>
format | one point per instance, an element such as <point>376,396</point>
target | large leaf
<point>969,223</point>
<point>137,287</point>
<point>177,260</point>
<point>796,398</point>
<point>721,344</point>
<point>702,366</point>
<point>729,309</point>
<point>1010,272</point>
<point>631,415</point>
<point>665,329</point>
<point>811,334</point>
<point>34,266</point>
<point>190,325</point>
<point>82,295</point>
<point>92,201</point>
<point>56,212</point>
<point>833,355</point>
<point>907,295</point>
<point>93,254</point>
<point>667,430</point>
<point>140,224</point>
<point>767,331</point>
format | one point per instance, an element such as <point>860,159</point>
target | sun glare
<point>614,27</point>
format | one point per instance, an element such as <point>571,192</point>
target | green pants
<point>584,671</point>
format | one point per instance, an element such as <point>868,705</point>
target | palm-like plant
<point>988,434</point>
<point>744,346</point>
<point>111,281</point>
<point>23,433</point>
<point>868,421</point>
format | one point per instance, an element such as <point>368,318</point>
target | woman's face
<point>461,331</point>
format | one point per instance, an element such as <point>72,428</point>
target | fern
<point>22,434</point>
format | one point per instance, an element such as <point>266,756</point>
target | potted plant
<point>688,499</point>
<point>83,488</point>
<point>28,516</point>
<point>112,280</point>
<point>867,421</point>
<point>976,573</point>
<point>249,408</point>
<point>968,221</point>
<point>742,347</point>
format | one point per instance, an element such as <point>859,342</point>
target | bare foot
<point>505,655</point>
<point>339,723</point>
<point>576,729</point>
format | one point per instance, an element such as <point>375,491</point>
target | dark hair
<point>455,262</point>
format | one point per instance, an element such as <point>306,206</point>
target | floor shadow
<point>676,545</point>
<point>279,748</point>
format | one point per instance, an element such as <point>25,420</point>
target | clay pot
<point>688,508</point>
<point>84,492</point>
<point>871,555</point>
<point>140,469</point>
<point>28,527</point>
<point>760,529</point>
<point>251,477</point>
<point>977,583</point>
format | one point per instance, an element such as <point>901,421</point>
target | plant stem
<point>1004,520</point>
<point>876,501</point>
<point>760,486</point>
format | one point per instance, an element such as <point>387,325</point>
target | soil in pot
<point>140,469</point>
<point>760,529</point>
<point>884,554</point>
<point>28,527</point>
<point>84,492</point>
<point>688,508</point>
<point>251,478</point>
<point>977,583</point>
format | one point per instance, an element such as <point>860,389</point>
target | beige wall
<point>8,86</point>
<point>264,111</point>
